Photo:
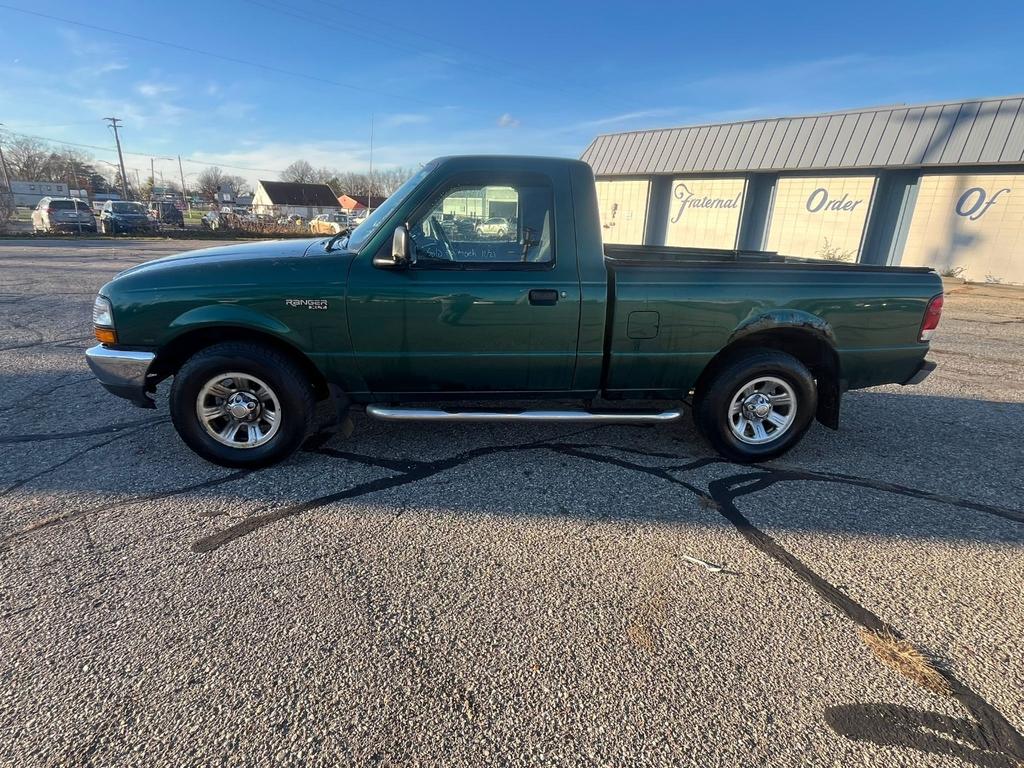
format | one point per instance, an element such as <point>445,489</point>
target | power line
<point>56,125</point>
<point>501,71</point>
<point>234,60</point>
<point>478,69</point>
<point>157,155</point>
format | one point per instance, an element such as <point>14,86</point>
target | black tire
<point>292,388</point>
<point>711,406</point>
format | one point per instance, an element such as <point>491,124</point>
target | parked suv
<point>165,212</point>
<point>493,227</point>
<point>329,223</point>
<point>123,216</point>
<point>67,214</point>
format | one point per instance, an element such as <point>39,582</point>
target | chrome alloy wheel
<point>762,410</point>
<point>238,410</point>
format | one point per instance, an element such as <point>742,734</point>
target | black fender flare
<point>830,388</point>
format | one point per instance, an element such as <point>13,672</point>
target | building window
<point>705,213</point>
<point>623,210</point>
<point>973,223</point>
<point>820,217</point>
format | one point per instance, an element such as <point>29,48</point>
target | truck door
<point>491,303</point>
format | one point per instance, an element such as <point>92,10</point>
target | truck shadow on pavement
<point>986,739</point>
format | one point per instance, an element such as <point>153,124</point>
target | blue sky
<point>301,79</point>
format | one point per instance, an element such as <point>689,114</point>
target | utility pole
<point>369,179</point>
<point>3,165</point>
<point>152,179</point>
<point>184,195</point>
<point>114,122</point>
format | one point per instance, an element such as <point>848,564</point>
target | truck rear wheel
<point>242,405</point>
<point>757,406</point>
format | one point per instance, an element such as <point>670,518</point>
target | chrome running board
<point>428,414</point>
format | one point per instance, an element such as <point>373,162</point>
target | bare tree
<point>386,181</point>
<point>209,183</point>
<point>382,184</point>
<point>300,171</point>
<point>27,158</point>
<point>236,185</point>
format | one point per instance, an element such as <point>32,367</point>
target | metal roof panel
<point>979,133</point>
<point>1001,127</point>
<point>989,132</point>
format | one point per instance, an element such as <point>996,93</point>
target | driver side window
<point>486,224</point>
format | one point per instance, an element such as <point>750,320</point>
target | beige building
<point>940,185</point>
<point>287,198</point>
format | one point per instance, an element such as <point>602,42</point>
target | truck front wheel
<point>242,405</point>
<point>757,406</point>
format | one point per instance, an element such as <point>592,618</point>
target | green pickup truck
<point>429,302</point>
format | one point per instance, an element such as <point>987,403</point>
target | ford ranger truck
<point>420,310</point>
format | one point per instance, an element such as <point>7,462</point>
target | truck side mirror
<point>402,253</point>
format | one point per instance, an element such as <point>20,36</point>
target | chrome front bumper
<point>122,372</point>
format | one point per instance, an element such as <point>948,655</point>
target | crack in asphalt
<point>993,740</point>
<point>989,740</point>
<point>67,517</point>
<point>419,471</point>
<point>45,343</point>
<point>48,436</point>
<point>61,382</point>
<point>77,454</point>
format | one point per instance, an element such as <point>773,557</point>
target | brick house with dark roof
<point>285,198</point>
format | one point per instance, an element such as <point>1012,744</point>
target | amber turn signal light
<point>106,335</point>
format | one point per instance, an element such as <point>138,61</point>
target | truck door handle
<point>544,297</point>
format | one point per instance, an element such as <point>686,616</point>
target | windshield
<point>373,222</point>
<point>127,208</point>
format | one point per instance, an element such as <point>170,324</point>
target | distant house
<point>29,193</point>
<point>287,198</point>
<point>359,202</point>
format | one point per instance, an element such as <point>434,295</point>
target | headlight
<point>102,314</point>
<point>103,321</point>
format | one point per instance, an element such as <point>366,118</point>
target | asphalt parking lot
<point>505,595</point>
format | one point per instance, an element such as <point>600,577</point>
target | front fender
<point>238,316</point>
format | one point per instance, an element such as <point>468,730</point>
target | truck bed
<point>673,309</point>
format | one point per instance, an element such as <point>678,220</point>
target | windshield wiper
<point>343,233</point>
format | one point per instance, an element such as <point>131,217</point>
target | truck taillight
<point>932,313</point>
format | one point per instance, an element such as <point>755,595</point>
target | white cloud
<point>102,68</point>
<point>625,117</point>
<point>507,121</point>
<point>234,110</point>
<point>405,118</point>
<point>154,90</point>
